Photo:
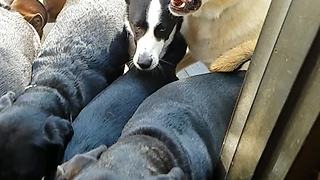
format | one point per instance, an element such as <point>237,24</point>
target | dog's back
<point>176,133</point>
<point>18,48</point>
<point>83,53</point>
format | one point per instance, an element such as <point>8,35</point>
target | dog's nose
<point>144,61</point>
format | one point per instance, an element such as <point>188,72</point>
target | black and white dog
<point>102,120</point>
<point>153,28</point>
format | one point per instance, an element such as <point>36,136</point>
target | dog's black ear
<point>127,1</point>
<point>7,100</point>
<point>57,133</point>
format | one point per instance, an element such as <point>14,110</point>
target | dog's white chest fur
<point>220,25</point>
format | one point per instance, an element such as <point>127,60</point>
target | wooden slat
<point>269,83</point>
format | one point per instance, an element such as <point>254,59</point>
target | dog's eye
<point>161,28</point>
<point>138,31</point>
<point>160,31</point>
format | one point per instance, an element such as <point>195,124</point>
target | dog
<point>33,12</point>
<point>38,13</point>
<point>176,133</point>
<point>19,46</point>
<point>220,33</point>
<point>97,126</point>
<point>31,147</point>
<point>79,58</point>
<point>53,8</point>
<point>153,28</point>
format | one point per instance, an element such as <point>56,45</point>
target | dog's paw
<point>232,59</point>
<point>223,65</point>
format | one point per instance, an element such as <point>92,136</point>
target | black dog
<point>176,133</point>
<point>103,119</point>
<point>84,52</point>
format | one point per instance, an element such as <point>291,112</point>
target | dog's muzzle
<point>144,61</point>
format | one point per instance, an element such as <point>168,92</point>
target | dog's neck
<point>149,156</point>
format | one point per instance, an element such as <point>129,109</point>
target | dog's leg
<point>186,61</point>
<point>235,57</point>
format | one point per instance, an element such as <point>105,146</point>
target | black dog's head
<point>153,28</point>
<point>32,142</point>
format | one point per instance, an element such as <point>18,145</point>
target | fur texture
<point>19,46</point>
<point>33,11</point>
<point>84,52</point>
<point>102,121</point>
<point>223,33</point>
<point>176,133</point>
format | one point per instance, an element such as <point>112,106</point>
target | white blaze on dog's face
<point>153,28</point>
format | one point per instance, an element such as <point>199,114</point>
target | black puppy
<point>102,121</point>
<point>176,133</point>
<point>84,52</point>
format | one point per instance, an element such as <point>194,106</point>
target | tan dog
<point>32,11</point>
<point>221,33</point>
<point>38,13</point>
<point>53,8</point>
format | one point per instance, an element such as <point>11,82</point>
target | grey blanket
<point>19,45</point>
<point>84,51</point>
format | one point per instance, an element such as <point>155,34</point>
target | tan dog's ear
<point>37,21</point>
